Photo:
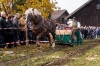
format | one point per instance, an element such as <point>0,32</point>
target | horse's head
<point>32,15</point>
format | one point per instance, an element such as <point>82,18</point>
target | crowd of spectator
<point>18,31</point>
<point>90,32</point>
<point>87,32</point>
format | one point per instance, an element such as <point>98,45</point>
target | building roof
<point>56,14</point>
<point>78,9</point>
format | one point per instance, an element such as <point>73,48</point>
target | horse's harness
<point>40,23</point>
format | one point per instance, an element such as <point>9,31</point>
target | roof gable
<point>56,14</point>
<point>78,9</point>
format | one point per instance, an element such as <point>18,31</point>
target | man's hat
<point>74,18</point>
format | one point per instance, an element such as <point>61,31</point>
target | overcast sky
<point>70,5</point>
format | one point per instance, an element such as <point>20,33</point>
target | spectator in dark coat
<point>98,32</point>
<point>90,33</point>
<point>85,33</point>
<point>2,32</point>
<point>10,31</point>
<point>29,32</point>
<point>82,32</point>
<point>17,26</point>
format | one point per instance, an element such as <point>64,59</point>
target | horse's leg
<point>53,45</point>
<point>38,39</point>
<point>52,40</point>
<point>49,38</point>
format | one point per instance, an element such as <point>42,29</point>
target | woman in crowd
<point>22,29</point>
<point>10,31</point>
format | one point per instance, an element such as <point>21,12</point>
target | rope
<point>23,42</point>
<point>10,28</point>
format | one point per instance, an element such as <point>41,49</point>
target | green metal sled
<point>65,38</point>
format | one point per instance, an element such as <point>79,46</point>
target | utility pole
<point>12,6</point>
<point>4,7</point>
<point>0,6</point>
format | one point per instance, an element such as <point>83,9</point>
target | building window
<point>62,19</point>
<point>97,6</point>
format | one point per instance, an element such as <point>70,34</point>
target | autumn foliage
<point>13,6</point>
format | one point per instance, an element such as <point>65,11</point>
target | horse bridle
<point>32,23</point>
<point>39,18</point>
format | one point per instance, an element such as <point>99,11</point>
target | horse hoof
<point>53,45</point>
<point>53,48</point>
<point>38,45</point>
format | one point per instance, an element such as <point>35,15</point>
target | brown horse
<point>40,26</point>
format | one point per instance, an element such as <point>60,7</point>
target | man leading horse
<point>75,30</point>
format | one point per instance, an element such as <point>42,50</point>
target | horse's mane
<point>32,11</point>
